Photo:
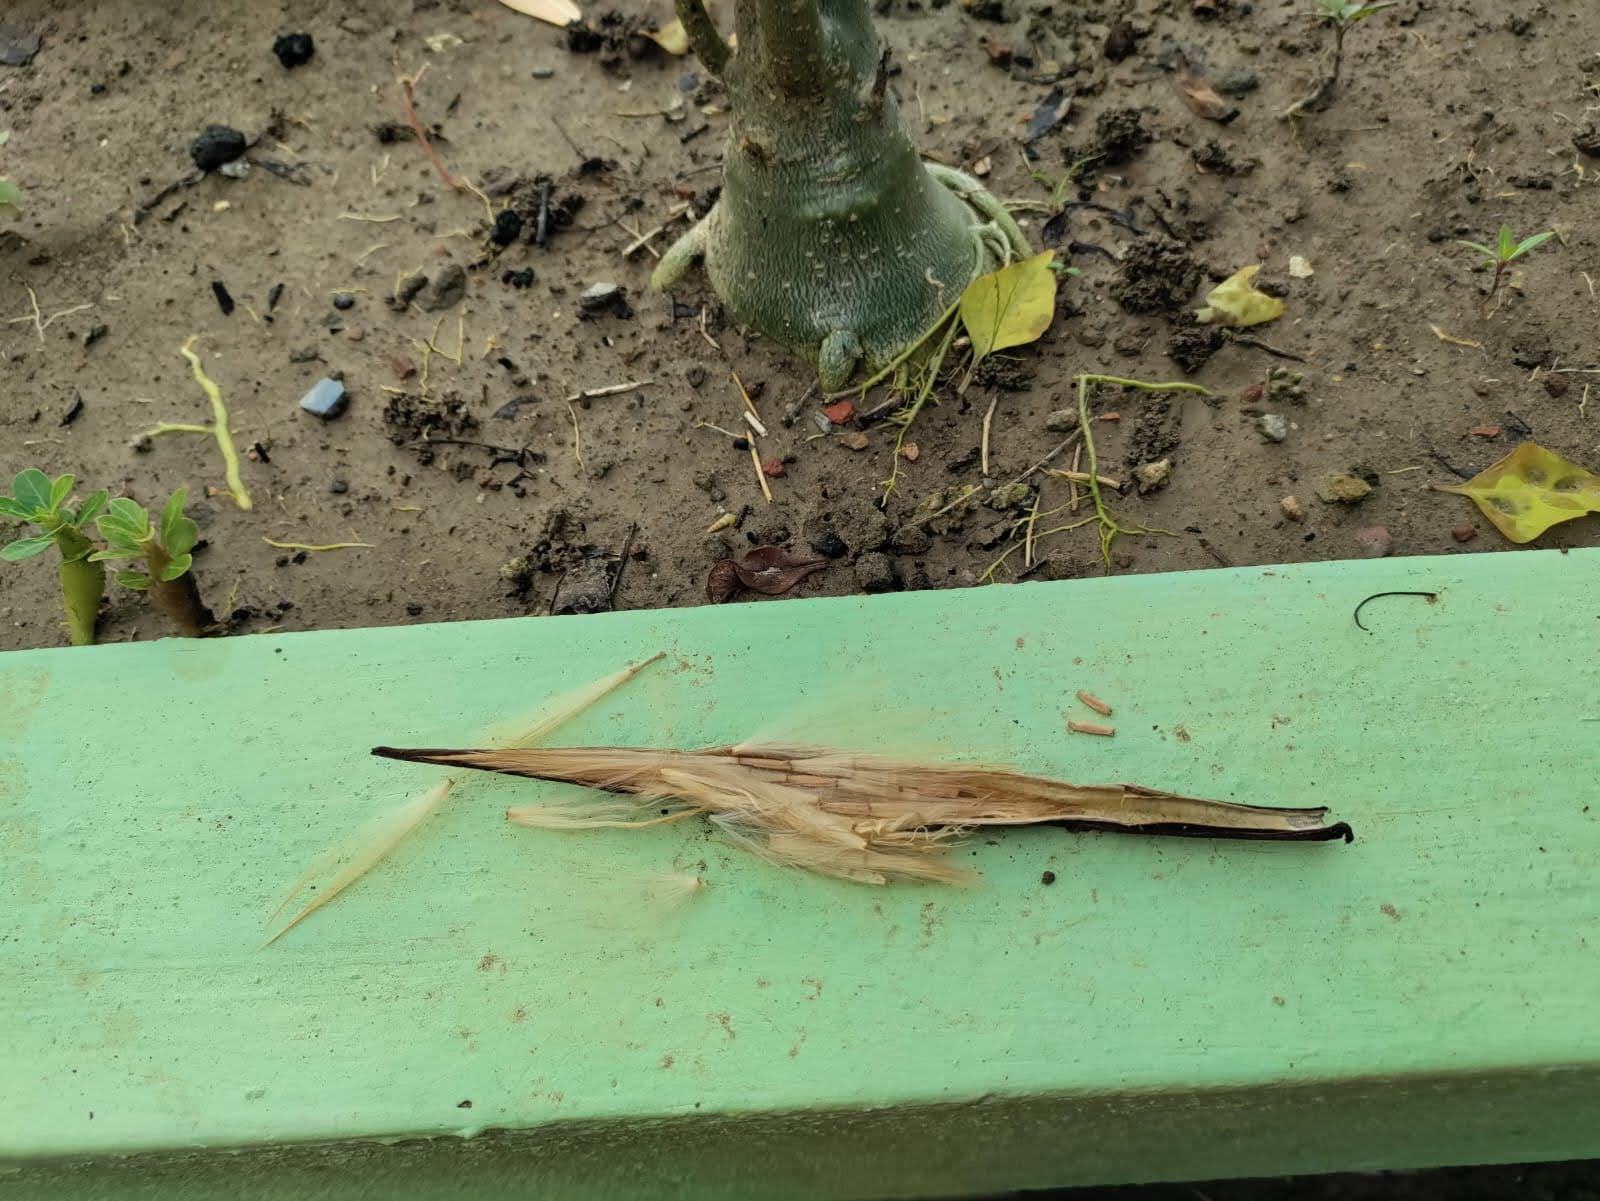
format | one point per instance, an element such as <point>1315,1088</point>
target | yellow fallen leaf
<point>1530,490</point>
<point>671,37</point>
<point>1010,307</point>
<point>560,13</point>
<point>1235,301</point>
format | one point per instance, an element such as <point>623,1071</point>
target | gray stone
<point>1061,421</point>
<point>327,399</point>
<point>305,354</point>
<point>445,290</point>
<point>1236,81</point>
<point>1272,426</point>
<point>17,45</point>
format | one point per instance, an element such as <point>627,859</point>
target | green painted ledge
<point>1167,1009</point>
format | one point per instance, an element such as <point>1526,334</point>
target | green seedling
<point>165,551</point>
<point>38,499</point>
<point>1341,16</point>
<point>1502,254</point>
<point>10,194</point>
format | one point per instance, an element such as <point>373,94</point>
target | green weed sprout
<point>38,499</point>
<point>1342,16</point>
<point>10,194</point>
<point>1502,254</point>
<point>166,577</point>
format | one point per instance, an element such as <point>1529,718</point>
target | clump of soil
<point>413,422</point>
<point>1192,345</point>
<point>1158,276</point>
<point>1119,135</point>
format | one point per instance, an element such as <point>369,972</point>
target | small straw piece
<point>1088,727</point>
<point>750,405</point>
<point>366,852</point>
<point>988,420</point>
<point>1095,703</point>
<point>761,476</point>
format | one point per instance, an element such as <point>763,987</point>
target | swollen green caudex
<point>831,236</point>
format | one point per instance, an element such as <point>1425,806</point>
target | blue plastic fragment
<point>327,399</point>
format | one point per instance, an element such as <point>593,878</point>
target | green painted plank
<point>1168,1008</point>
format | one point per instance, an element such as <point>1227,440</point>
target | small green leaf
<point>173,522</point>
<point>1507,244</point>
<point>1479,247</point>
<point>26,548</point>
<point>60,490</point>
<point>15,508</point>
<point>91,508</point>
<point>10,200</point>
<point>116,552</point>
<point>179,565</point>
<point>1532,243</point>
<point>1235,301</point>
<point>1010,307</point>
<point>1367,10</point>
<point>129,512</point>
<point>5,136</point>
<point>32,488</point>
<point>136,580</point>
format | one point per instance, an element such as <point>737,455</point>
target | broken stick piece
<point>1095,703</point>
<point>1089,727</point>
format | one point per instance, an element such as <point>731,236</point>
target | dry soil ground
<point>1456,116</point>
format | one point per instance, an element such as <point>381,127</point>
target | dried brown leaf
<point>722,581</point>
<point>1200,96</point>
<point>772,571</point>
<point>559,13</point>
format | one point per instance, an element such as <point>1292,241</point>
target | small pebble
<point>343,300</point>
<point>507,227</point>
<point>1292,508</point>
<point>518,279</point>
<point>855,440</point>
<point>294,49</point>
<point>598,297</point>
<point>444,290</point>
<point>688,81</point>
<point>1464,532</point>
<point>306,354</point>
<point>1274,427</point>
<point>830,545</point>
<point>217,144</point>
<point>1338,487</point>
<point>1150,476</point>
<point>238,169</point>
<point>544,72</point>
<point>355,333</point>
<point>1556,384</point>
<point>338,487</point>
<point>1374,542</point>
<point>1047,878</point>
<point>327,399</point>
<point>1061,421</point>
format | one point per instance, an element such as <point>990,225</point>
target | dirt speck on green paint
<point>726,1022</point>
<point>1390,910</point>
<point>666,1062</point>
<point>814,985</point>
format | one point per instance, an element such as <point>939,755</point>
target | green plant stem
<point>218,427</point>
<point>82,584</point>
<point>906,416</point>
<point>1109,528</point>
<point>179,599</point>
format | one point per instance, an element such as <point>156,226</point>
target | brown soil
<point>1453,119</point>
